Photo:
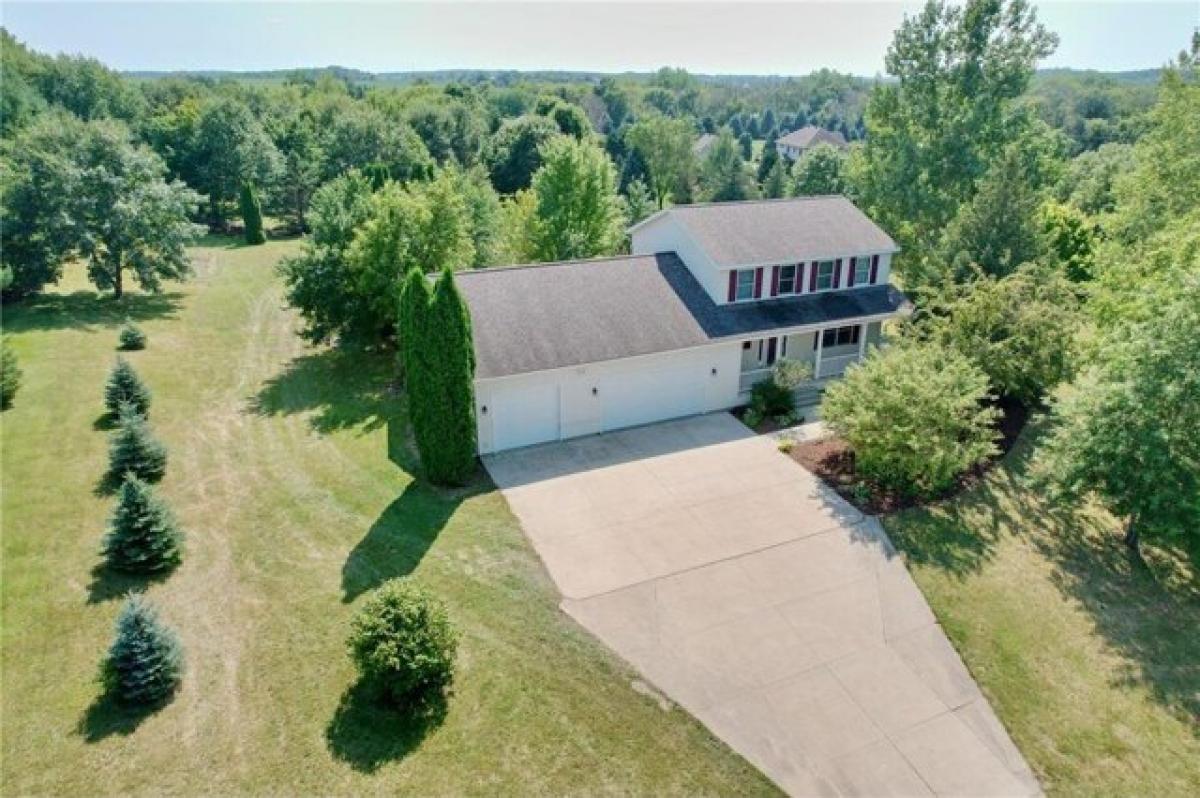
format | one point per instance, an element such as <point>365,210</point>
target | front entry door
<point>772,344</point>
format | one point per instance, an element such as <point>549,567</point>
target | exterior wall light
<point>714,371</point>
<point>484,409</point>
<point>594,392</point>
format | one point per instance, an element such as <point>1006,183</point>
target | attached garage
<point>525,409</point>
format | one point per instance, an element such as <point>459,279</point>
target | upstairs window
<point>745,284</point>
<point>862,270</point>
<point>787,279</point>
<point>824,275</point>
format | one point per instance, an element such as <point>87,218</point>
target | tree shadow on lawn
<point>367,732</point>
<point>1147,608</point>
<point>344,388</point>
<point>87,309</point>
<point>960,535</point>
<point>398,540</point>
<point>106,716</point>
<point>108,584</point>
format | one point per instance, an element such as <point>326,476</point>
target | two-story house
<point>712,296</point>
<point>798,142</point>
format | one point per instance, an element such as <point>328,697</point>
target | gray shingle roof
<point>532,318</point>
<point>779,231</point>
<point>810,135</point>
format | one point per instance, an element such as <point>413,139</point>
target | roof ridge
<point>552,263</point>
<point>760,201</point>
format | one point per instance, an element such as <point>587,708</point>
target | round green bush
<point>131,337</point>
<point>402,641</point>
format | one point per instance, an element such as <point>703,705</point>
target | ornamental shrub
<point>402,641</point>
<point>133,449</point>
<point>10,374</point>
<point>145,663</point>
<point>916,416</point>
<point>770,398</point>
<point>131,337</point>
<point>252,215</point>
<point>789,374</point>
<point>125,387</point>
<point>143,536</point>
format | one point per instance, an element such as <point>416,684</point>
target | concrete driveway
<point>758,600</point>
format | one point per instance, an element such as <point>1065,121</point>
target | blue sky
<point>780,38</point>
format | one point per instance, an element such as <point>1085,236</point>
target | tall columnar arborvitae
<point>415,297</point>
<point>252,215</point>
<point>145,662</point>
<point>10,374</point>
<point>441,389</point>
<point>133,449</point>
<point>125,387</point>
<point>143,536</point>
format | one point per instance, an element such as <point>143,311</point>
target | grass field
<point>1089,656</point>
<point>290,472</point>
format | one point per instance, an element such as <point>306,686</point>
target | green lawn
<point>289,470</point>
<point>1090,657</point>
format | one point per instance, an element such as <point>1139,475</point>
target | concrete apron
<point>757,599</point>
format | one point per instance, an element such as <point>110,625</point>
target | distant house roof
<point>806,137</point>
<point>703,144</point>
<point>554,315</point>
<point>778,231</point>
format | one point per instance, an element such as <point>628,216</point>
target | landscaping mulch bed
<point>832,460</point>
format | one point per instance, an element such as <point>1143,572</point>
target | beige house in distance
<point>796,143</point>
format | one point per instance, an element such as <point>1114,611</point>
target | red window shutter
<point>874,268</point>
<point>837,273</point>
<point>774,281</point>
<point>732,284</point>
<point>812,277</point>
<point>850,274</point>
<point>758,275</point>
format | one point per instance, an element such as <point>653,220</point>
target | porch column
<point>862,341</point>
<point>820,346</point>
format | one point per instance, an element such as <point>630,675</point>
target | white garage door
<point>642,396</point>
<point>524,414</point>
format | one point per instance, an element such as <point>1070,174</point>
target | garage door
<point>524,414</point>
<point>653,394</point>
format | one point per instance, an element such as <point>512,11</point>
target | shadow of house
<point>86,309</point>
<point>398,540</point>
<point>368,733</point>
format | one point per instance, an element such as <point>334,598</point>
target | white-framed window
<point>824,275</point>
<point>787,279</point>
<point>840,336</point>
<point>862,270</point>
<point>745,284</point>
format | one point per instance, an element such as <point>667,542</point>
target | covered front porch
<point>828,351</point>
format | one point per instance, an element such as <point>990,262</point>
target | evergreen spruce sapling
<point>10,374</point>
<point>125,387</point>
<point>143,536</point>
<point>131,337</point>
<point>252,215</point>
<point>133,449</point>
<point>145,662</point>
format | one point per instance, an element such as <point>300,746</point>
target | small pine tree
<point>10,374</point>
<point>125,387</point>
<point>775,186</point>
<point>133,449</point>
<point>145,662</point>
<point>746,142</point>
<point>131,337</point>
<point>252,215</point>
<point>143,536</point>
<point>442,389</point>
